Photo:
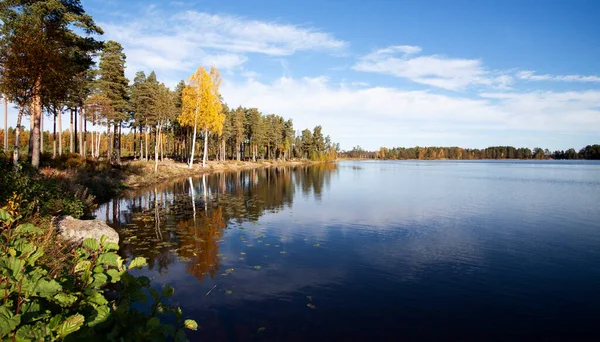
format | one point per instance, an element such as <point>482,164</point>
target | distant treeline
<point>458,153</point>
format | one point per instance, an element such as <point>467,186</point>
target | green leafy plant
<point>95,299</point>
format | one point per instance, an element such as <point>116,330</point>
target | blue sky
<point>384,73</point>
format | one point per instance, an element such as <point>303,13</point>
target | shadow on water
<point>184,221</point>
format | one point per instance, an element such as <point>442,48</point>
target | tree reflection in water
<point>186,220</point>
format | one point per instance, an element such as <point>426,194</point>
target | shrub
<point>73,305</point>
<point>43,195</point>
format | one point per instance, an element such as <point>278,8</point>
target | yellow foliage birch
<point>202,107</point>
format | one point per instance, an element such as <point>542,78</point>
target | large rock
<point>78,230</point>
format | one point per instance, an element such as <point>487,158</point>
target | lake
<point>371,251</point>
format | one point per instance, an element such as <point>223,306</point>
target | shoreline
<point>170,170</point>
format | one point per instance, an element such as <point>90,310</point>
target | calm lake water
<point>370,251</point>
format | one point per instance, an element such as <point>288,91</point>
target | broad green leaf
<point>15,265</point>
<point>5,216</point>
<point>114,275</point>
<point>97,298</point>
<point>65,299</point>
<point>100,279</point>
<point>138,262</point>
<point>36,332</point>
<point>83,265</point>
<point>91,244</point>
<point>8,321</point>
<point>190,324</point>
<point>24,247</point>
<point>48,288</point>
<point>103,239</point>
<point>55,321</point>
<point>98,269</point>
<point>109,259</point>
<point>28,228</point>
<point>101,315</point>
<point>70,325</point>
<point>111,246</point>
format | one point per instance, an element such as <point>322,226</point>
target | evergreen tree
<point>114,85</point>
<point>40,49</point>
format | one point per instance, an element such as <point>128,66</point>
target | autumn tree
<point>202,107</point>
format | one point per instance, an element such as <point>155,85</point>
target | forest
<point>458,153</point>
<point>55,73</point>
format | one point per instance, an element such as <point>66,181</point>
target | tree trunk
<point>141,143</point>
<point>146,158</point>
<point>36,105</point>
<point>71,141</point>
<point>193,147</point>
<point>116,153</point>
<point>163,140</point>
<point>41,131</point>
<point>81,132</point>
<point>108,142</point>
<point>5,125</point>
<point>54,136</point>
<point>17,132</point>
<point>92,141</point>
<point>98,141</point>
<point>156,148</point>
<point>84,151</point>
<point>134,143</point>
<point>205,148</point>
<point>75,138</point>
<point>60,147</point>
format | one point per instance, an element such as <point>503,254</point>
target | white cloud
<point>237,34</point>
<point>531,76</point>
<point>180,42</point>
<point>380,116</point>
<point>434,70</point>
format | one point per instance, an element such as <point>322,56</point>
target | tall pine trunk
<point>146,133</point>
<point>76,139</point>
<point>156,147</point>
<point>134,142</point>
<point>84,136</point>
<point>41,131</point>
<point>71,141</point>
<point>5,125</point>
<point>54,136</point>
<point>60,147</point>
<point>17,133</point>
<point>36,106</point>
<point>81,132</point>
<point>108,142</point>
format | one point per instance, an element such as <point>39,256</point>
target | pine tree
<point>38,49</point>
<point>113,85</point>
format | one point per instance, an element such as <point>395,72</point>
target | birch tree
<point>202,107</point>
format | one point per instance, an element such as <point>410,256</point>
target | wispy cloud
<point>531,76</point>
<point>182,41</point>
<point>433,70</point>
<point>237,34</point>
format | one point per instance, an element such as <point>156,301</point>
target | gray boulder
<point>76,230</point>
